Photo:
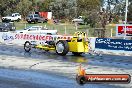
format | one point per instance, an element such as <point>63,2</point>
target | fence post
<point>111,32</point>
<point>25,25</point>
<point>76,25</point>
<point>45,26</point>
<point>65,29</point>
<point>87,32</point>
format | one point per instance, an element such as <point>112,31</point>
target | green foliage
<point>116,19</point>
<point>24,7</point>
<point>7,7</point>
<point>67,9</point>
<point>130,12</point>
<point>86,7</point>
<point>44,5</point>
<point>21,6</point>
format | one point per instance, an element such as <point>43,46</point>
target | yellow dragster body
<point>77,45</point>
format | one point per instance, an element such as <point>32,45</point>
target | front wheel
<point>62,47</point>
<point>18,20</point>
<point>29,22</point>
<point>27,46</point>
<point>36,21</point>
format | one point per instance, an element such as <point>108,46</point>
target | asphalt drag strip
<point>31,79</point>
<point>14,57</point>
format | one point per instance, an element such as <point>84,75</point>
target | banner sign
<point>21,38</point>
<point>113,44</point>
<point>120,30</point>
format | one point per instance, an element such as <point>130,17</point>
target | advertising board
<point>120,30</point>
<point>113,44</point>
<point>21,38</point>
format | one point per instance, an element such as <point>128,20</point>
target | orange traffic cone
<point>81,71</point>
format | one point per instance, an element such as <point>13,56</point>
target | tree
<point>85,7</point>
<point>44,5</point>
<point>114,9</point>
<point>24,7</point>
<point>103,20</point>
<point>61,8</point>
<point>8,6</point>
<point>2,7</point>
<point>130,12</point>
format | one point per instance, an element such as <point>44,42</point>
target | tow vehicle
<point>35,18</point>
<point>5,27</point>
<point>37,30</point>
<point>12,17</point>
<point>78,44</point>
<point>78,20</point>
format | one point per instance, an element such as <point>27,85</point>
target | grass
<point>68,29</point>
<point>109,27</point>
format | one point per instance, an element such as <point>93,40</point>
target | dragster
<point>77,44</point>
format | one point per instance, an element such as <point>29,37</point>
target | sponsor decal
<point>40,37</point>
<point>105,78</point>
<point>82,77</point>
<point>120,30</point>
<point>7,37</point>
<point>113,44</point>
<point>32,37</point>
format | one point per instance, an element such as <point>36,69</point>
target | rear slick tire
<point>62,47</point>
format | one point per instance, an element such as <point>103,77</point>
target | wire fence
<point>70,29</point>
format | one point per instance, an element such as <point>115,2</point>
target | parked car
<point>78,20</point>
<point>12,17</point>
<point>5,27</point>
<point>35,18</point>
<point>38,30</point>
